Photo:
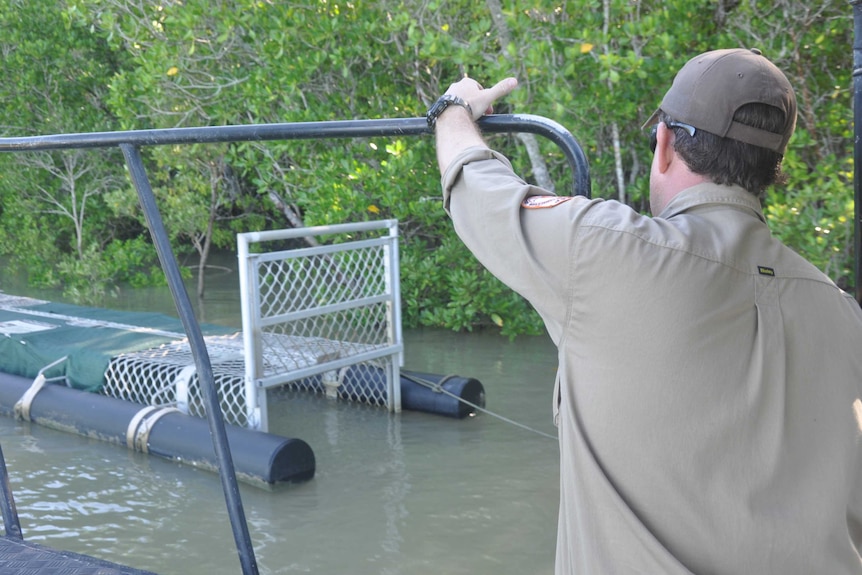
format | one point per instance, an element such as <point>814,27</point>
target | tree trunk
<point>540,167</point>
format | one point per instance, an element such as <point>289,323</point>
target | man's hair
<point>731,162</point>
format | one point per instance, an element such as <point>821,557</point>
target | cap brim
<point>652,119</point>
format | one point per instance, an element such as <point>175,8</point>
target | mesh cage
<point>166,375</point>
<point>322,319</point>
<point>364,382</point>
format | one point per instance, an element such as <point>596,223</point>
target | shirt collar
<point>709,193</point>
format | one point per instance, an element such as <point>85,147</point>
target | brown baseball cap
<point>709,89</point>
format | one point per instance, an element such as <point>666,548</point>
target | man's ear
<point>664,152</point>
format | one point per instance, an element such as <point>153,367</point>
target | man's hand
<point>455,132</point>
<point>481,100</point>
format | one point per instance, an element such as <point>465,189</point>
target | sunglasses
<point>653,140</point>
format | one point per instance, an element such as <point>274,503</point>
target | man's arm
<point>483,196</point>
<point>455,129</point>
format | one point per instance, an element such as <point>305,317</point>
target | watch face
<point>436,109</point>
<point>442,103</point>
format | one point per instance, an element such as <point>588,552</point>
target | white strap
<point>138,431</point>
<point>22,406</point>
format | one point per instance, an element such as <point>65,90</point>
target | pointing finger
<point>503,87</point>
<point>497,91</point>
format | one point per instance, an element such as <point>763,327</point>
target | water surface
<point>407,493</point>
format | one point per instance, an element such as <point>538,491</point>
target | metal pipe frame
<point>11,523</point>
<point>503,123</point>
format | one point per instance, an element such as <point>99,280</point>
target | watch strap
<point>441,104</point>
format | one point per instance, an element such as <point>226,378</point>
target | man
<point>709,388</point>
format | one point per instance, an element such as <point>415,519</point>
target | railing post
<point>227,472</point>
<point>7,503</point>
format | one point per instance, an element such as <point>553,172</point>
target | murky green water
<point>393,494</point>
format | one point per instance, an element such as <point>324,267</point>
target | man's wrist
<point>442,104</point>
<point>453,115</point>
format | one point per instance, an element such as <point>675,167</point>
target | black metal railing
<point>11,524</point>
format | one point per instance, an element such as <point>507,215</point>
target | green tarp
<point>31,341</point>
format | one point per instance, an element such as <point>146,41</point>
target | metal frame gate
<point>309,314</point>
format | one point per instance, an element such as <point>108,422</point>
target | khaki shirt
<point>709,380</point>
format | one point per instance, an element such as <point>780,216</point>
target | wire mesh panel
<point>325,317</point>
<point>166,375</point>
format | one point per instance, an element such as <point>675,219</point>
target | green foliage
<point>599,68</point>
<point>89,280</point>
<point>814,215</point>
<point>55,79</point>
<point>132,262</point>
<point>447,287</point>
<point>31,240</point>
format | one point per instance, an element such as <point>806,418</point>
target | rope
<point>437,388</point>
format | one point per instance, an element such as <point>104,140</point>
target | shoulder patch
<point>534,202</point>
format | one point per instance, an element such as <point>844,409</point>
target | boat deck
<point>18,557</point>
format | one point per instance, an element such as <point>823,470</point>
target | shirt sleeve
<point>521,233</point>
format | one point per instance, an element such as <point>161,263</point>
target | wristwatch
<point>441,104</point>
